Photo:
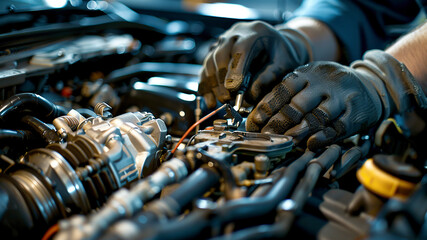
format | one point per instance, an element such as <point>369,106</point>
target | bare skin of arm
<point>411,50</point>
<point>325,45</point>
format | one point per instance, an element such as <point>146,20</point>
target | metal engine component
<point>97,156</point>
<point>127,203</point>
<point>141,135</point>
<point>141,156</point>
<point>123,203</point>
<point>249,143</point>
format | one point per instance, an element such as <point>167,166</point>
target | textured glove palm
<point>268,53</point>
<point>326,101</point>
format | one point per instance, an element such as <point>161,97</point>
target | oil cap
<point>384,183</point>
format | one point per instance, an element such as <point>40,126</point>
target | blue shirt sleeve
<point>361,25</point>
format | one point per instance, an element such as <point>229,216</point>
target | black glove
<point>257,47</point>
<point>328,101</point>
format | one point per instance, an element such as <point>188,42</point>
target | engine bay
<point>104,136</point>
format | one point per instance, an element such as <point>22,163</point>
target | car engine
<point>103,136</point>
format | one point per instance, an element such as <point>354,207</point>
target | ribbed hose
<point>125,202</point>
<point>72,122</point>
<point>42,129</point>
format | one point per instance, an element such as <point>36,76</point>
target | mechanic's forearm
<point>325,45</point>
<point>412,51</point>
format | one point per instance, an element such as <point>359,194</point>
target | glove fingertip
<point>233,81</point>
<point>321,139</point>
<point>258,117</point>
<point>210,100</point>
<point>269,130</point>
<point>299,132</point>
<point>254,93</point>
<point>251,126</point>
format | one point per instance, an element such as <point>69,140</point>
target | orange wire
<point>50,232</point>
<point>195,125</point>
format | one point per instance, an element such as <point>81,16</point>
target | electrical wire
<point>195,124</point>
<point>189,141</point>
<point>50,232</point>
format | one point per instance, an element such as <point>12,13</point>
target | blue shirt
<point>361,25</point>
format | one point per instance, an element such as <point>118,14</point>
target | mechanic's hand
<point>255,47</point>
<point>326,101</point>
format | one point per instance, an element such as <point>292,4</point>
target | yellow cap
<point>382,183</point>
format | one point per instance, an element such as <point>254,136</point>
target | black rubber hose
<point>327,158</point>
<point>315,169</point>
<point>42,129</point>
<point>307,224</point>
<point>171,205</point>
<point>299,197</point>
<point>264,189</point>
<point>239,209</point>
<point>350,159</point>
<point>29,102</point>
<point>14,136</point>
<point>230,186</point>
<point>196,185</point>
<point>253,207</point>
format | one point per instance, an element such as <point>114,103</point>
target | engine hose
<point>239,209</point>
<point>350,159</point>
<point>314,169</point>
<point>308,231</point>
<point>42,129</point>
<point>189,190</point>
<point>264,189</point>
<point>125,202</point>
<point>15,136</point>
<point>289,209</point>
<point>31,102</point>
<point>231,190</point>
<point>253,207</point>
<point>198,183</point>
<point>169,206</point>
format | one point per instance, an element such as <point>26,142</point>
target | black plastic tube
<point>264,189</point>
<point>299,197</point>
<point>351,157</point>
<point>230,186</point>
<point>254,207</point>
<point>29,102</point>
<point>197,221</point>
<point>14,136</point>
<point>198,183</point>
<point>302,191</point>
<point>269,231</point>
